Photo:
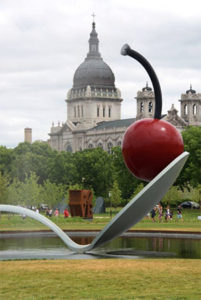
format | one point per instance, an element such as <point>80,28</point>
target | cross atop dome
<point>94,71</point>
<point>93,43</point>
<point>93,16</point>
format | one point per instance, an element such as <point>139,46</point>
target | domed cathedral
<point>93,97</point>
<point>93,107</point>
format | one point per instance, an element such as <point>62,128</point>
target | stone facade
<point>90,107</point>
<point>145,103</point>
<point>146,106</point>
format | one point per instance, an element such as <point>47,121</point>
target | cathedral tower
<point>93,97</point>
<point>191,107</point>
<point>145,103</point>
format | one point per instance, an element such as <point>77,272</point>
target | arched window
<point>109,112</point>
<point>103,111</point>
<point>150,107</point>
<point>90,146</point>
<point>75,111</point>
<point>82,111</point>
<point>98,111</point>
<point>185,109</point>
<point>69,148</point>
<point>119,143</point>
<point>78,108</point>
<point>109,147</point>
<point>194,109</point>
<point>100,145</point>
<point>141,107</point>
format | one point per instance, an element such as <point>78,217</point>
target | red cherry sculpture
<point>149,145</point>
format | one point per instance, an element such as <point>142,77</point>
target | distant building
<point>191,107</point>
<point>28,135</point>
<point>146,106</point>
<point>94,107</point>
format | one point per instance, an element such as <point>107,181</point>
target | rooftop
<point>112,124</point>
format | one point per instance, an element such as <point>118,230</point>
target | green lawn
<point>149,279</point>
<point>101,279</point>
<point>189,222</point>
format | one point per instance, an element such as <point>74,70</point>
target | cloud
<point>43,42</point>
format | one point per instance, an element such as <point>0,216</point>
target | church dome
<point>93,71</point>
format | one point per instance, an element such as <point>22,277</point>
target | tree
<point>138,188</point>
<point>29,158</point>
<point>3,189</point>
<point>25,193</point>
<point>115,196</point>
<point>94,170</point>
<point>30,190</point>
<point>52,193</point>
<point>196,194</point>
<point>14,193</point>
<point>126,181</point>
<point>191,173</point>
<point>76,187</point>
<point>22,148</point>
<point>192,194</point>
<point>172,197</point>
<point>62,168</point>
<point>6,159</point>
<point>24,164</point>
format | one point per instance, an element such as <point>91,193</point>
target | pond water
<point>48,246</point>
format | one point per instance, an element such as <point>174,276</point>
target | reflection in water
<point>157,244</point>
<point>155,247</point>
<point>135,246</point>
<point>83,240</point>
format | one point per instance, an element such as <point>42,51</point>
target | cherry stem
<point>126,50</point>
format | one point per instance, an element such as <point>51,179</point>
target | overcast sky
<point>44,41</point>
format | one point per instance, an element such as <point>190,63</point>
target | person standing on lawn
<point>160,212</point>
<point>153,214</point>
<point>66,213</point>
<point>179,212</point>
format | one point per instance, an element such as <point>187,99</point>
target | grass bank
<point>190,222</point>
<point>172,279</point>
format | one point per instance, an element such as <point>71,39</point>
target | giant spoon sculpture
<point>152,150</point>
